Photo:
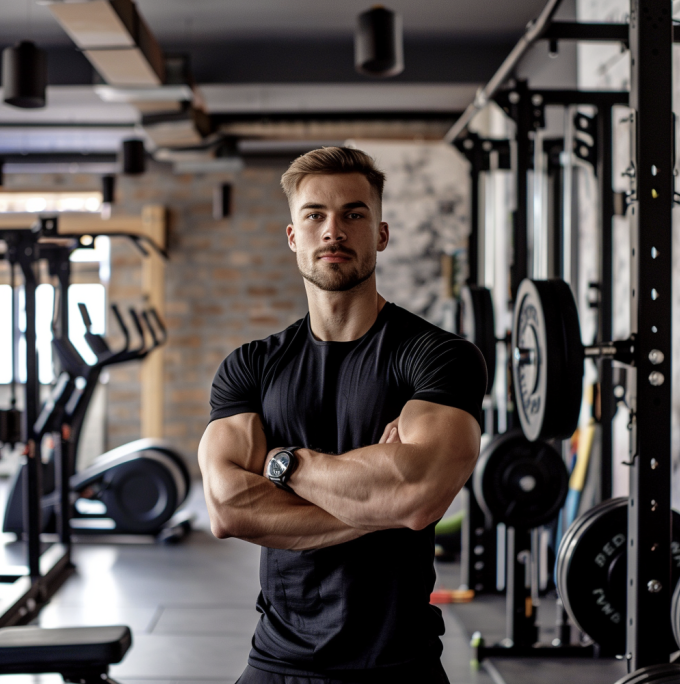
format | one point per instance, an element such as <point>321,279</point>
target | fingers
<point>393,437</point>
<point>386,433</point>
<point>394,425</point>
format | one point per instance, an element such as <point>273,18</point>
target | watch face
<point>279,464</point>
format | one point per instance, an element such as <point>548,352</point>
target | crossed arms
<point>407,480</point>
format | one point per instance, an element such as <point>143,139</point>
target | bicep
<point>237,441</point>
<point>444,432</point>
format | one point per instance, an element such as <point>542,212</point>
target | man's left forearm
<point>374,487</point>
<point>408,484</point>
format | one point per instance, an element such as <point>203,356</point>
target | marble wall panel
<point>426,204</point>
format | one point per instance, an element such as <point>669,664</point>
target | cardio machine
<point>134,489</point>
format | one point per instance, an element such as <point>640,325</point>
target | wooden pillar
<point>153,291</point>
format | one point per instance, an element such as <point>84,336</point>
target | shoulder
<point>253,355</point>
<point>414,331</point>
<point>421,344</point>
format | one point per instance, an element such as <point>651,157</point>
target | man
<point>337,444</point>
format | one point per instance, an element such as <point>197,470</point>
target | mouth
<point>335,257</point>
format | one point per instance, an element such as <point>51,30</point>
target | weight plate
<point>675,614</point>
<point>547,359</point>
<point>475,322</point>
<point>520,483</point>
<point>571,393</point>
<point>572,533</point>
<point>592,576</point>
<point>665,673</point>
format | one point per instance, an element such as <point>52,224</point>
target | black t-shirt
<point>363,604</point>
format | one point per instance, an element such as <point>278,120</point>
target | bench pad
<point>36,649</point>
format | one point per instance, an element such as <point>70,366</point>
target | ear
<point>383,236</point>
<point>290,232</point>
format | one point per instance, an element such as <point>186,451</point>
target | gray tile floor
<point>190,607</point>
<point>191,610</point>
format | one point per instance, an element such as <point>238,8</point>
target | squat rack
<point>649,35</point>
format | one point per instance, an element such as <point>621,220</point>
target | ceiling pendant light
<point>134,157</point>
<point>379,43</point>
<point>108,195</point>
<point>24,75</point>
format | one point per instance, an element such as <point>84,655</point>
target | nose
<point>333,231</point>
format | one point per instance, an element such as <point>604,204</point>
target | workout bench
<point>79,654</point>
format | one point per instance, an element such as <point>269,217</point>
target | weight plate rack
<point>547,353</point>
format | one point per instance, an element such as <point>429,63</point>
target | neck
<point>343,316</point>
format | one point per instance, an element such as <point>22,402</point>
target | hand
<point>391,433</point>
<point>269,457</point>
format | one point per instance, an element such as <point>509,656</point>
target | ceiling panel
<point>197,20</point>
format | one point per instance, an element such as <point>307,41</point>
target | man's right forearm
<point>245,505</point>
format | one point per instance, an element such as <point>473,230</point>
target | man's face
<point>336,230</point>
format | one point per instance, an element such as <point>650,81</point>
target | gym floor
<point>191,610</point>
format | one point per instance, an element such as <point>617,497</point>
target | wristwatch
<point>281,467</point>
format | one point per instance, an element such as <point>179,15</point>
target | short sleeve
<point>448,370</point>
<point>234,388</point>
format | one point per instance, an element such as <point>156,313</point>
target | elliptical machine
<point>134,489</point>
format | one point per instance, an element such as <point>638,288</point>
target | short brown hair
<point>330,160</point>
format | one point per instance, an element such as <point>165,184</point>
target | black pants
<point>432,674</point>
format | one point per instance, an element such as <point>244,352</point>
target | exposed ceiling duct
<point>115,38</point>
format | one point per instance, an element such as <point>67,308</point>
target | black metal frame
<point>649,504</point>
<point>478,539</point>
<point>650,36</point>
<point>46,571</point>
<point>607,400</point>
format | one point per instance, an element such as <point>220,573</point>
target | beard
<point>335,277</point>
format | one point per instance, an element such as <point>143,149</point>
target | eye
<point>314,217</point>
<point>355,216</point>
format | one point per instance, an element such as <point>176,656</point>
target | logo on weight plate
<point>609,549</point>
<point>606,607</point>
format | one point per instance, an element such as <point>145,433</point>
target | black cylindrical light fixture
<point>379,43</point>
<point>24,75</point>
<point>108,195</point>
<point>134,157</point>
<point>222,201</point>
<point>108,189</point>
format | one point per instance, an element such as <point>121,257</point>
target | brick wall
<point>227,282</point>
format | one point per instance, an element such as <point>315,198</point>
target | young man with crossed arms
<point>337,444</point>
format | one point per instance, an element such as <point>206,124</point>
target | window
<point>34,202</point>
<point>93,295</point>
<point>5,335</point>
